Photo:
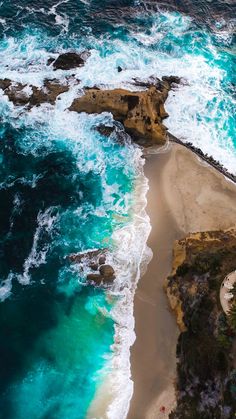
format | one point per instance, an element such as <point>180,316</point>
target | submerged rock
<point>90,254</point>
<point>105,130</point>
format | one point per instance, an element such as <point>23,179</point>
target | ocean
<point>66,188</point>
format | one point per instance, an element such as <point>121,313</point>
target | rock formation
<point>21,94</point>
<point>206,382</point>
<point>103,274</point>
<point>69,60</point>
<point>141,112</point>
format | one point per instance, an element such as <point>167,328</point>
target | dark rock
<point>107,272</point>
<point>48,94</point>
<point>91,254</point>
<point>171,79</point>
<point>102,260</point>
<point>97,278</point>
<point>52,89</point>
<point>50,61</point>
<point>5,83</point>
<point>69,60</point>
<point>152,81</point>
<point>105,130</point>
<point>93,266</point>
<point>16,94</point>
<point>119,68</point>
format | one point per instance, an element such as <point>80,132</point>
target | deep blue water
<point>65,188</point>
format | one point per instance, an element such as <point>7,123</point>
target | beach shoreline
<point>185,195</point>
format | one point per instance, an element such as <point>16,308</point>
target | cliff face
<point>206,379</point>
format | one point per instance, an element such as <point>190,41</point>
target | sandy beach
<point>185,195</point>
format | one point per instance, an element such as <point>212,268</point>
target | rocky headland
<point>206,378</point>
<point>141,112</point>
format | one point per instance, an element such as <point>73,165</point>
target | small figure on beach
<point>162,409</point>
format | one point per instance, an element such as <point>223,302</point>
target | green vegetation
<point>206,382</point>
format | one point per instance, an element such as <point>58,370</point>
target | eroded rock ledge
<point>141,112</point>
<point>206,378</point>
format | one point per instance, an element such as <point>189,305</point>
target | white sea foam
<point>199,110</point>
<point>6,286</point>
<point>129,258</point>
<point>37,256</point>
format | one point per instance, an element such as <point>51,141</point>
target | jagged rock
<point>119,68</point>
<point>172,79</point>
<point>69,60</point>
<point>140,112</point>
<point>107,272</point>
<point>35,96</point>
<point>91,254</point>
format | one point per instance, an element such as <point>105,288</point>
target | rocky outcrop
<point>90,255</point>
<point>141,112</point>
<point>103,274</point>
<point>21,94</point>
<point>107,272</point>
<point>69,60</point>
<point>206,382</point>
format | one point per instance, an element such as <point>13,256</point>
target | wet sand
<point>185,195</point>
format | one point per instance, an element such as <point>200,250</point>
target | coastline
<point>177,205</point>
<point>111,401</point>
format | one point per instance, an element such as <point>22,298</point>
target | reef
<point>206,374</point>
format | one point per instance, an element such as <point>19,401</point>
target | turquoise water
<point>65,188</point>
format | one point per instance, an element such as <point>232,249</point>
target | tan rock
<point>141,112</point>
